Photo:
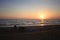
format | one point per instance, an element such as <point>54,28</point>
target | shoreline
<point>51,32</point>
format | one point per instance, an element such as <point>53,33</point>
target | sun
<point>42,16</point>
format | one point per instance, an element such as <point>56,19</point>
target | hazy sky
<point>29,8</point>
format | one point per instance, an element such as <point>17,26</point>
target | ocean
<point>28,22</point>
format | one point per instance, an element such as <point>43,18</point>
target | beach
<point>50,32</point>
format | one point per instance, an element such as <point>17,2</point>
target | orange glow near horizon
<point>46,14</point>
<point>42,16</point>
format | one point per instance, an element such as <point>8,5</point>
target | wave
<point>28,22</point>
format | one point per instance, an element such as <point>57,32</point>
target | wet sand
<point>50,32</point>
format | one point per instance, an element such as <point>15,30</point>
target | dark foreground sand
<point>51,32</point>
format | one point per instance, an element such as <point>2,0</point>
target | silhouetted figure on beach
<point>15,28</point>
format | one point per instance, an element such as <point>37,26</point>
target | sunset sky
<point>31,9</point>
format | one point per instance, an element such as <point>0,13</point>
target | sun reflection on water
<point>42,22</point>
<point>42,25</point>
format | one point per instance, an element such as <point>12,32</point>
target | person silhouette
<point>15,28</point>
